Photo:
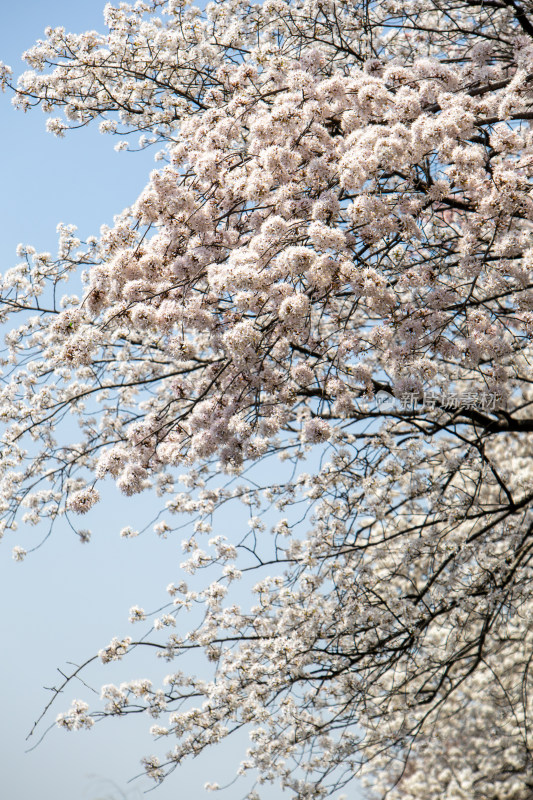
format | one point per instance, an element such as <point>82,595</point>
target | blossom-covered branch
<point>333,265</point>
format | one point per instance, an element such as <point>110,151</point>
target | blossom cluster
<point>344,211</point>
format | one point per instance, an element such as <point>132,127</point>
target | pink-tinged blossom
<point>316,430</point>
<point>82,501</point>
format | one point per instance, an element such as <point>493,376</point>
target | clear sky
<point>68,600</point>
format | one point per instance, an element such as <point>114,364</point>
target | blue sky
<point>68,600</point>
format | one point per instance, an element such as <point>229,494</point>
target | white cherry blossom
<point>319,310</point>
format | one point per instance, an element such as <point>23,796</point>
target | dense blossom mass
<point>333,265</point>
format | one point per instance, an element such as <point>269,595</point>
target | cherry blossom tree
<point>332,266</point>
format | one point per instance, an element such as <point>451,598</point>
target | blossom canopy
<point>333,265</point>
